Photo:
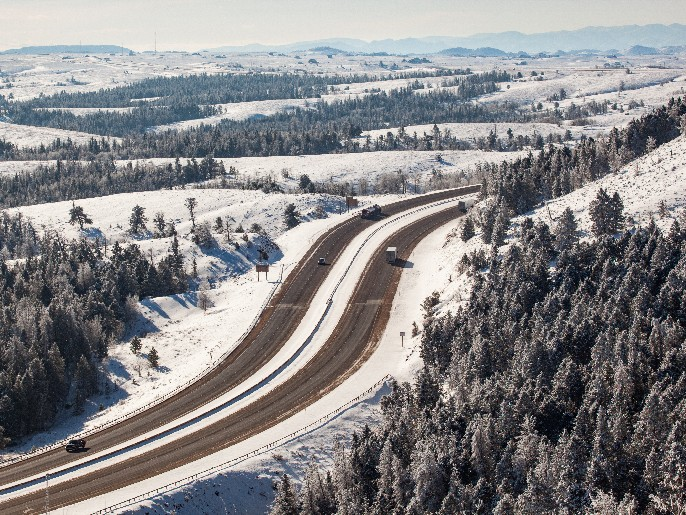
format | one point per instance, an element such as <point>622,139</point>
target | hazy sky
<point>192,25</point>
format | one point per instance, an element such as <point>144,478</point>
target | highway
<point>353,340</point>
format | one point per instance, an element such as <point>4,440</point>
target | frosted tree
<point>468,230</point>
<point>502,222</point>
<point>384,500</point>
<point>159,223</point>
<point>191,204</point>
<point>291,217</point>
<point>137,220</point>
<point>429,480</point>
<point>316,495</point>
<point>204,301</point>
<point>672,494</point>
<point>606,213</point>
<point>153,358</point>
<point>136,345</point>
<point>78,216</point>
<point>566,231</point>
<point>286,501</point>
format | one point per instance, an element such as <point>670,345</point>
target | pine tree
<point>136,345</point>
<point>160,224</point>
<point>606,213</point>
<point>468,230</point>
<point>566,231</point>
<point>291,217</point>
<point>86,383</point>
<point>78,216</point>
<point>137,220</point>
<point>191,204</point>
<point>286,501</point>
<point>153,358</point>
<point>502,222</point>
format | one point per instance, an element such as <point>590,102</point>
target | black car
<point>75,445</point>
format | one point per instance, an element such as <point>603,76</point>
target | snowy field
<point>30,136</point>
<point>652,80</point>
<point>420,167</point>
<point>190,340</point>
<point>247,486</point>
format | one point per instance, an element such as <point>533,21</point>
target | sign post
<point>262,267</point>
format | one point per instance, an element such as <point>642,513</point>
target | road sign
<point>262,267</point>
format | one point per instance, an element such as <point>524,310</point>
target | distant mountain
<point>69,49</point>
<point>477,52</point>
<point>642,50</point>
<point>327,50</point>
<point>598,38</point>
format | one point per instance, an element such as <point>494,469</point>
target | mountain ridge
<point>598,38</point>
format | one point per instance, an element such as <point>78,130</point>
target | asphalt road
<point>353,340</point>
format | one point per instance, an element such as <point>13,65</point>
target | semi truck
<point>371,212</point>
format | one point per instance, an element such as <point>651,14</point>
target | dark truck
<point>75,445</point>
<point>371,212</point>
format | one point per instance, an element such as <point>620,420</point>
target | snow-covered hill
<point>643,184</point>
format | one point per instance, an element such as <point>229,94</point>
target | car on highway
<point>322,261</point>
<point>75,445</point>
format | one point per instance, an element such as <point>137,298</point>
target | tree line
<point>557,170</point>
<point>163,100</point>
<point>63,303</point>
<point>553,390</point>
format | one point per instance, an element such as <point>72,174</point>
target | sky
<point>194,25</point>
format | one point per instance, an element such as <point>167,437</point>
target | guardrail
<point>325,418</point>
<point>154,402</point>
<point>229,463</point>
<point>224,355</point>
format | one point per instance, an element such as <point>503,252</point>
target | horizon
<point>331,39</point>
<point>173,25</point>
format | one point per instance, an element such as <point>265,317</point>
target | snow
<point>419,167</point>
<point>189,341</point>
<point>299,354</point>
<point>356,167</point>
<point>31,136</point>
<point>390,358</point>
<point>642,185</point>
<point>242,111</point>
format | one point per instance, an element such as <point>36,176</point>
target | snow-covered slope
<point>659,177</point>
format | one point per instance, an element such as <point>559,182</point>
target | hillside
<point>599,38</point>
<point>69,49</point>
<point>643,185</point>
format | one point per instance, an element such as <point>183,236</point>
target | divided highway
<point>353,340</point>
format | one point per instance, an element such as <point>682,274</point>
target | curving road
<point>353,340</point>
